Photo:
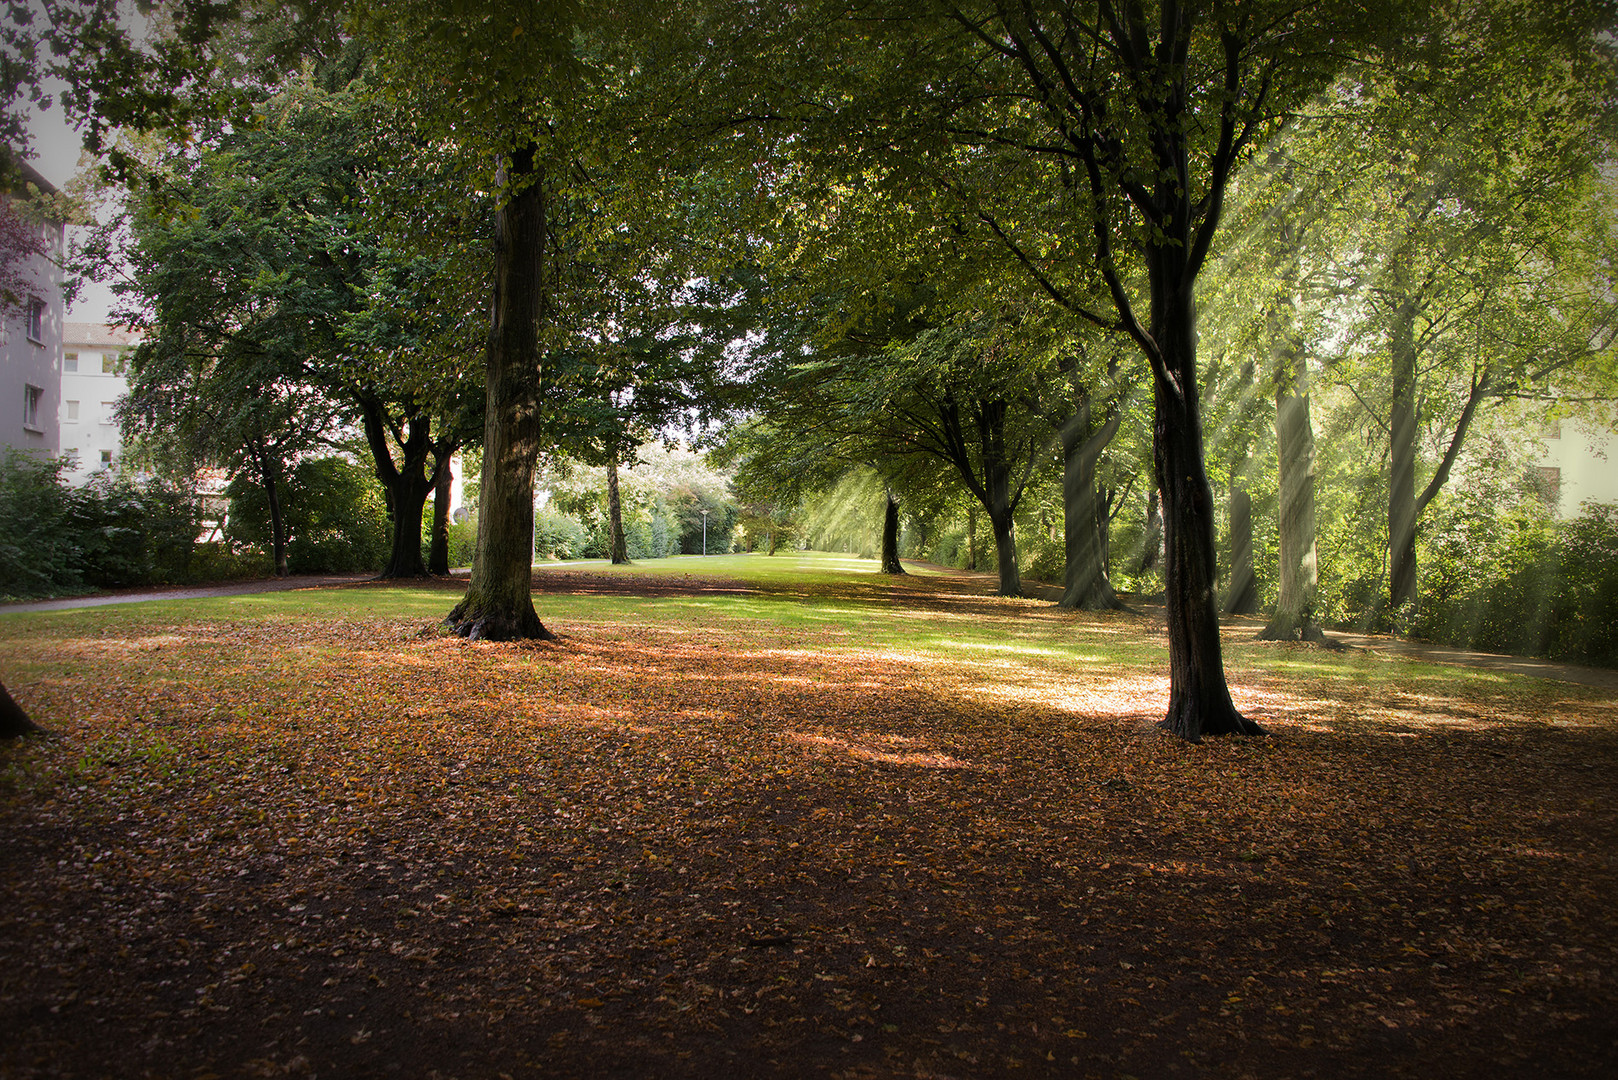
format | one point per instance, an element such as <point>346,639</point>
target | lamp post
<point>705,532</point>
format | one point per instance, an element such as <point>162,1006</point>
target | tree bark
<point>498,605</point>
<point>443,484</point>
<point>1402,468</point>
<point>1151,551</point>
<point>972,537</point>
<point>1086,585</point>
<point>618,547</point>
<point>1295,453</point>
<point>890,536</point>
<point>407,483</point>
<point>1199,697</point>
<point>269,478</point>
<point>14,722</point>
<point>1241,597</point>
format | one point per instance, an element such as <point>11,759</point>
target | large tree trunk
<point>14,721</point>
<point>269,477</point>
<point>1242,596</point>
<point>1295,454</point>
<point>1402,471</point>
<point>407,483</point>
<point>618,546</point>
<point>498,605</point>
<point>443,485</point>
<point>890,536</point>
<point>1199,698</point>
<point>1086,585</point>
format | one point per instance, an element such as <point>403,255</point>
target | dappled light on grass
<point>924,828</point>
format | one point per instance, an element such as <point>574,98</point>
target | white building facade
<point>1580,465</point>
<point>94,380</point>
<point>31,344</point>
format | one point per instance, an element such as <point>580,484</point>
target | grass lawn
<point>783,816</point>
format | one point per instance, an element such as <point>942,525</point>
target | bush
<point>39,552</point>
<point>1524,584</point>
<point>111,532</point>
<point>463,540</point>
<point>333,513</point>
<point>561,536</point>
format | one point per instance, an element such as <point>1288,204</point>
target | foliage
<point>1525,584</point>
<point>560,536</point>
<point>38,553</point>
<point>336,520</point>
<point>463,540</point>
<point>111,532</point>
<point>20,245</point>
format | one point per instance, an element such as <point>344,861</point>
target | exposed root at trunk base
<point>1192,728</point>
<point>14,722</point>
<point>1286,628</point>
<point>476,625</point>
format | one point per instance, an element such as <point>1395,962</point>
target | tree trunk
<point>1402,470</point>
<point>972,537</point>
<point>1085,578</point>
<point>443,484</point>
<point>409,506</point>
<point>1002,522</point>
<point>890,536</point>
<point>1295,454</point>
<point>1241,597</point>
<point>407,483</point>
<point>1151,551</point>
<point>618,546</point>
<point>14,721</point>
<point>1104,511</point>
<point>1199,698</point>
<point>268,476</point>
<point>498,605</point>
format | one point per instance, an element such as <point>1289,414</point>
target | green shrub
<point>39,550</point>
<point>134,534</point>
<point>561,536</point>
<point>333,513</point>
<point>463,540</point>
<point>109,533</point>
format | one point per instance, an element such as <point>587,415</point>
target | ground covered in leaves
<point>846,827</point>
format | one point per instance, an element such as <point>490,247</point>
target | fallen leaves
<point>675,846</point>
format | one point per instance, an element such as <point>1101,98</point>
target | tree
<point>14,722</point>
<point>1486,272</point>
<point>1138,114</point>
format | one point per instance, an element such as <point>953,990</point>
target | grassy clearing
<point>783,817</point>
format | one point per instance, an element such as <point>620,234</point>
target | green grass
<point>816,600</point>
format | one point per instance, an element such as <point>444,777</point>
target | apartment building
<point>30,337</point>
<point>94,378</point>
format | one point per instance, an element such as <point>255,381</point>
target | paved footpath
<point>235,588</point>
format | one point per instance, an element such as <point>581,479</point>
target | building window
<point>73,410</point>
<point>1550,485</point>
<point>112,363</point>
<point>106,457</point>
<point>70,361</point>
<point>108,413</point>
<point>36,320</point>
<point>32,397</point>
